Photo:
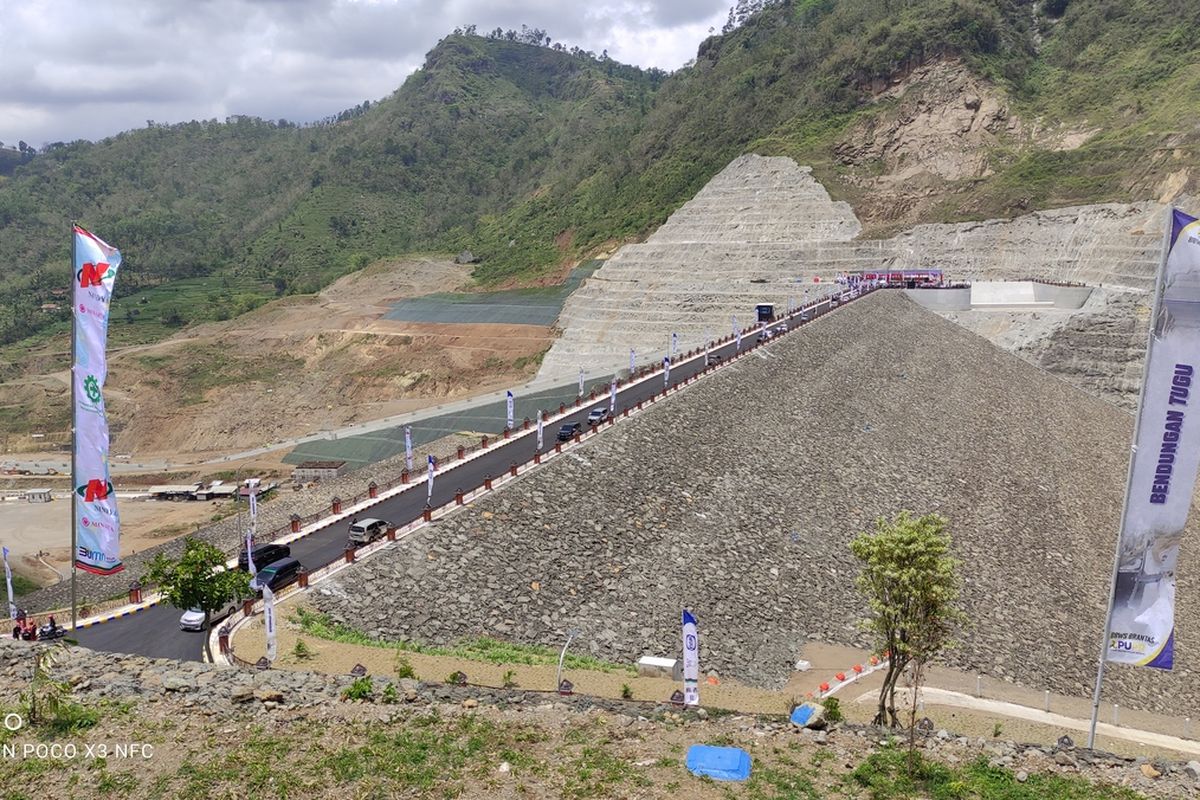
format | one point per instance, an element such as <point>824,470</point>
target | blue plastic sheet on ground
<point>719,763</point>
<point>802,714</point>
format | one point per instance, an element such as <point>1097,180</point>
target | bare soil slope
<point>297,366</point>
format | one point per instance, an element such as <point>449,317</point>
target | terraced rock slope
<point>738,496</point>
<point>764,228</point>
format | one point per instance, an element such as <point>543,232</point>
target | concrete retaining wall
<point>941,299</point>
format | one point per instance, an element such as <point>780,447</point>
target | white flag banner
<point>540,425</point>
<point>691,660</point>
<point>666,371</point>
<point>408,461</point>
<point>612,396</point>
<point>429,480</point>
<point>269,621</point>
<point>674,344</point>
<point>1162,473</point>
<point>581,381</point>
<point>508,411</point>
<point>12,606</point>
<point>253,570</point>
<point>253,505</point>
<point>97,524</point>
<point>632,365</point>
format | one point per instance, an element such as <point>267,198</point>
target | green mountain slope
<point>532,157</point>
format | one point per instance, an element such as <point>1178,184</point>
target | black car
<point>276,575</point>
<point>264,554</point>
<point>568,431</point>
<point>713,358</point>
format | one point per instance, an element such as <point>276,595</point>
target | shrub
<point>626,691</point>
<point>833,709</point>
<point>403,668</point>
<point>510,679</point>
<point>390,696</point>
<point>361,689</point>
<point>302,652</point>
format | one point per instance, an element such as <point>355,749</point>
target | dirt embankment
<point>294,367</point>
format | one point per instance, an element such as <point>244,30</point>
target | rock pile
<point>738,497</point>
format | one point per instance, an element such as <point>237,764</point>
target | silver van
<point>367,530</point>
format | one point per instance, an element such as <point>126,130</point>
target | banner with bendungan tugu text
<point>1166,454</point>
<point>97,524</point>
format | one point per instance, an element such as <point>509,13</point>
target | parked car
<point>713,358</point>
<point>276,575</point>
<point>599,415</point>
<point>365,531</point>
<point>782,328</point>
<point>568,431</point>
<point>763,335</point>
<point>264,554</point>
<point>193,618</point>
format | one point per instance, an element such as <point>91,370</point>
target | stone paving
<point>737,498</point>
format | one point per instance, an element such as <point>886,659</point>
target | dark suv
<point>264,554</point>
<point>568,431</point>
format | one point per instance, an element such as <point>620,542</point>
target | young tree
<point>198,579</point>
<point>911,584</point>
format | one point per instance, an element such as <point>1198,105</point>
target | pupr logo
<point>91,387</point>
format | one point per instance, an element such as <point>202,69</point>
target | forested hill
<point>531,156</point>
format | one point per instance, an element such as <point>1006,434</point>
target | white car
<point>193,618</point>
<point>598,415</point>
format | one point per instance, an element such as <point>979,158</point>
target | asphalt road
<point>155,632</point>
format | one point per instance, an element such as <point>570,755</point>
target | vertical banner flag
<point>738,345</point>
<point>252,485</point>
<point>269,621</point>
<point>508,410</point>
<point>408,464</point>
<point>666,371</point>
<point>674,344</point>
<point>1162,473</point>
<point>97,525</point>
<point>581,381</point>
<point>632,365</point>
<point>612,396</point>
<point>250,568</point>
<point>429,481</point>
<point>691,660</point>
<point>539,430</point>
<point>12,607</point>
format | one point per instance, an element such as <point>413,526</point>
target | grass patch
<point>22,585</point>
<point>597,773</point>
<point>484,649</point>
<point>885,776</point>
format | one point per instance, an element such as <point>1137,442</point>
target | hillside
<point>266,208</point>
<point>532,156</point>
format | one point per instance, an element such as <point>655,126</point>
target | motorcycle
<point>47,634</point>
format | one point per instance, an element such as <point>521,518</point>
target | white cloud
<point>72,69</point>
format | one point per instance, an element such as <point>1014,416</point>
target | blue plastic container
<point>719,763</point>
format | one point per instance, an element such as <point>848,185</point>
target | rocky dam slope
<point>737,498</point>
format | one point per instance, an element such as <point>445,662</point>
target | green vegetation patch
<point>491,651</point>
<point>894,773</point>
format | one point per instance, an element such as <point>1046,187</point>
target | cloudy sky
<point>86,69</point>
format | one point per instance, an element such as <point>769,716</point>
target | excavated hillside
<point>738,498</point>
<point>765,230</point>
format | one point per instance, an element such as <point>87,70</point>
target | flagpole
<point>1112,586</point>
<point>74,429</point>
